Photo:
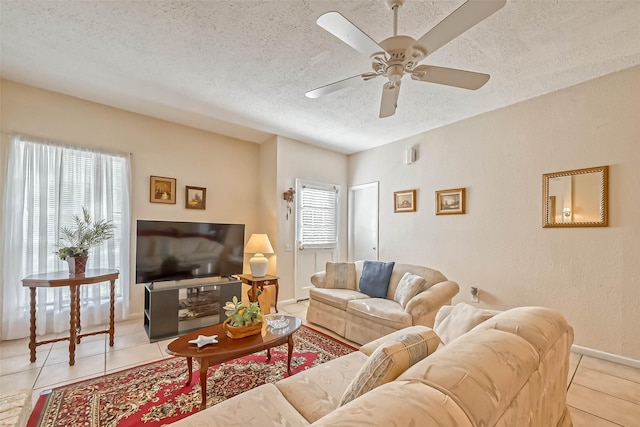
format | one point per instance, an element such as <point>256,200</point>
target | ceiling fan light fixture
<point>395,72</point>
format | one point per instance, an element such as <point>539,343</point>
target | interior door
<point>363,222</point>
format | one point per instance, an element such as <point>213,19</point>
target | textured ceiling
<point>241,67</point>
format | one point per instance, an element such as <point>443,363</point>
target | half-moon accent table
<point>73,281</point>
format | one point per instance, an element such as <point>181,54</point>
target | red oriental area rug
<point>155,395</point>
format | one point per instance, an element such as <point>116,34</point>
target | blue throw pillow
<point>375,278</point>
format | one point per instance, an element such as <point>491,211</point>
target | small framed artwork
<point>195,197</point>
<point>163,190</point>
<point>450,202</point>
<point>404,201</point>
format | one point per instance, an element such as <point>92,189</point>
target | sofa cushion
<point>408,287</point>
<point>318,391</point>
<point>390,360</point>
<point>341,275</point>
<point>261,406</point>
<point>337,298</point>
<point>375,278</point>
<point>382,311</point>
<point>399,403</point>
<point>482,372</point>
<point>462,318</point>
<point>540,326</point>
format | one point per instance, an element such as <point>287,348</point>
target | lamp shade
<point>258,245</point>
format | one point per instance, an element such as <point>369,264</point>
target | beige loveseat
<point>356,316</point>
<point>510,370</point>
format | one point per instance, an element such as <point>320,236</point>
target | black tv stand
<point>174,308</point>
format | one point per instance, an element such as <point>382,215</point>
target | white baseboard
<point>622,360</point>
<point>287,302</point>
<point>132,316</point>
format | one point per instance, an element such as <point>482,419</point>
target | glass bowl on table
<point>276,321</point>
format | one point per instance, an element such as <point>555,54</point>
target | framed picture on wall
<point>195,197</point>
<point>163,190</point>
<point>404,201</point>
<point>450,202</point>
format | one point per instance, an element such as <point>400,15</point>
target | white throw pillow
<point>407,288</point>
<point>461,320</point>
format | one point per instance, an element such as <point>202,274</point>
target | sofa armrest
<point>424,306</point>
<point>319,279</point>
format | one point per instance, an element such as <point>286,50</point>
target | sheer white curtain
<point>47,183</point>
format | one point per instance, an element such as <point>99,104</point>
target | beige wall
<point>592,275</point>
<point>304,161</point>
<point>227,167</point>
<point>268,215</point>
<point>244,181</point>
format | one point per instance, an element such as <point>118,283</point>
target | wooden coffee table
<point>227,349</point>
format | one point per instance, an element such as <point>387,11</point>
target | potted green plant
<point>242,321</point>
<point>75,241</point>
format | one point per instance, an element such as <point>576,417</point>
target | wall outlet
<point>288,247</point>
<point>474,294</point>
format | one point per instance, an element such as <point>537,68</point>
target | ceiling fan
<point>399,55</point>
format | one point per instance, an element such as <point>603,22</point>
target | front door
<point>316,231</point>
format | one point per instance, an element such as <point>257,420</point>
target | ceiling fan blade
<point>450,77</point>
<point>332,87</point>
<point>462,19</point>
<point>389,101</point>
<point>346,31</point>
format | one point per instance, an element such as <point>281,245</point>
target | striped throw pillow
<point>389,360</point>
<point>341,275</point>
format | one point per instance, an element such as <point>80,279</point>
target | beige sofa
<point>510,370</point>
<point>360,318</point>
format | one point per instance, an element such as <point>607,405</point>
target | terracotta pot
<point>77,264</point>
<point>236,332</point>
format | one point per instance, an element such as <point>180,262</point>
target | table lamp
<point>258,245</point>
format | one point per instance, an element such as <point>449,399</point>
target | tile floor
<point>601,393</point>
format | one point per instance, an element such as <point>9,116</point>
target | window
<point>317,215</point>
<point>47,184</point>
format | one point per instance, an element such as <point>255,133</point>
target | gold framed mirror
<point>576,198</point>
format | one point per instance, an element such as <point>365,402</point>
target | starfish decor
<point>204,340</point>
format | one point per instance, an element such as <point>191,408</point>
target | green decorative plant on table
<point>242,321</point>
<point>75,241</point>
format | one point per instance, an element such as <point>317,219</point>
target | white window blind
<point>317,215</point>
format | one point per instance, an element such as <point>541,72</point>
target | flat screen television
<point>171,250</point>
